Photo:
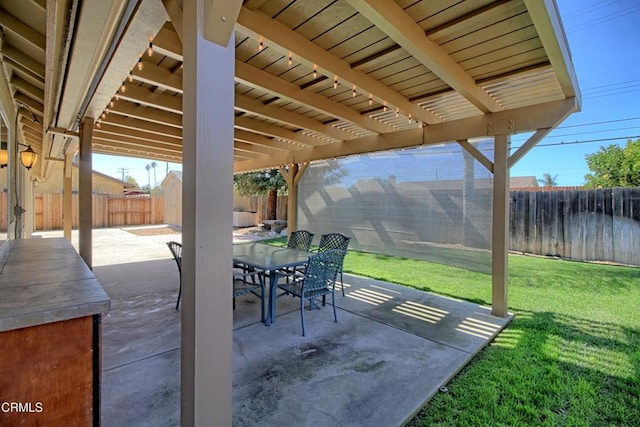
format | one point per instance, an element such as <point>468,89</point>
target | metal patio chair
<point>176,251</point>
<point>319,280</point>
<point>242,286</point>
<point>335,241</point>
<point>301,240</point>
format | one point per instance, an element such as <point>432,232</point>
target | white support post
<point>500,237</point>
<point>67,192</point>
<point>207,317</point>
<point>85,190</point>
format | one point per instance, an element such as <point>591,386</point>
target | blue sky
<point>605,47</point>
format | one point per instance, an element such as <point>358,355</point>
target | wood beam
<point>138,135</point>
<point>146,113</point>
<point>23,31</point>
<point>28,89</point>
<point>524,120</point>
<point>477,154</point>
<point>158,76</point>
<point>143,96</point>
<point>254,106</point>
<point>220,19</point>
<point>135,144</point>
<point>174,10</point>
<point>500,224</point>
<point>255,77</point>
<point>254,148</point>
<point>24,60</point>
<point>133,152</point>
<point>253,138</point>
<point>546,19</point>
<point>85,190</point>
<point>280,37</point>
<point>390,18</point>
<point>276,131</point>
<point>527,146</point>
<point>143,125</point>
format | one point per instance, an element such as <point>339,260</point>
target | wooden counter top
<point>44,281</point>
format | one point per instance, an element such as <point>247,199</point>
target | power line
<point>123,170</point>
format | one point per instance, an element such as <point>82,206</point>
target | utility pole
<point>123,170</point>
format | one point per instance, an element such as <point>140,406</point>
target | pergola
<point>232,86</point>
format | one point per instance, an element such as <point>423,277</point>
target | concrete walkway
<point>391,350</point>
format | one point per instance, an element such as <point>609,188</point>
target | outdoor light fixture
<point>28,157</point>
<point>4,158</point>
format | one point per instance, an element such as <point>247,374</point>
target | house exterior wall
<point>102,184</point>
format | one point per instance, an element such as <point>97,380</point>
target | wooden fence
<point>590,225</point>
<point>108,211</point>
<point>260,204</point>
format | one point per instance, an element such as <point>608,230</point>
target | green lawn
<point>571,356</point>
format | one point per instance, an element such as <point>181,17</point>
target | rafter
<point>254,138</point>
<point>106,128</point>
<point>146,113</point>
<point>143,125</point>
<point>158,76</point>
<point>250,105</point>
<point>280,37</point>
<point>28,89</point>
<point>276,131</point>
<point>22,59</point>
<point>163,101</point>
<point>168,43</point>
<point>255,77</point>
<point>20,29</point>
<point>390,18</point>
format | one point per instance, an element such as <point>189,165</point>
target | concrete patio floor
<point>391,350</point>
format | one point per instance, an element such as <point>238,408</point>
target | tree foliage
<point>269,182</point>
<point>614,166</point>
<point>260,183</point>
<point>548,181</point>
<point>131,180</point>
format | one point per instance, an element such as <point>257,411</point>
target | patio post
<point>500,224</point>
<point>85,190</point>
<point>67,194</point>
<point>207,206</point>
<point>293,176</point>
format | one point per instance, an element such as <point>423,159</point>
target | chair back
<point>300,239</point>
<point>333,241</point>
<point>176,251</point>
<point>323,269</point>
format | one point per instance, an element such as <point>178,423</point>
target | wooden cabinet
<point>50,335</point>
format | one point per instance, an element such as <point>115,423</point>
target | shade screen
<point>432,203</point>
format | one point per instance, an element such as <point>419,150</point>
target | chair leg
<point>333,302</point>
<point>342,282</point>
<point>302,314</point>
<point>179,293</point>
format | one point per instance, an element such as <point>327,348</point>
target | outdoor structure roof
<point>313,78</point>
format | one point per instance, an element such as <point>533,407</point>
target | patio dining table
<point>268,260</point>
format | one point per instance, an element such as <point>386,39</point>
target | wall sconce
<point>28,157</point>
<point>4,157</point>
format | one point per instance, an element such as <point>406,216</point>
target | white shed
<point>172,189</point>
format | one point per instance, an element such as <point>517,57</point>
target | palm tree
<point>155,181</point>
<point>548,181</point>
<point>148,168</point>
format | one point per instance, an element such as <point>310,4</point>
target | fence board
<point>592,225</point>
<point>108,211</point>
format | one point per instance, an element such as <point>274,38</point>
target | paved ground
<point>389,353</point>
